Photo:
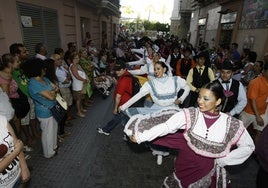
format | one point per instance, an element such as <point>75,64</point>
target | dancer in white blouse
<point>206,145</point>
<point>148,67</point>
<point>163,91</point>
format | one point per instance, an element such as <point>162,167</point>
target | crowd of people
<point>29,86</point>
<point>200,102</point>
<point>215,95</point>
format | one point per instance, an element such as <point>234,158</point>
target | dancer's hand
<point>133,138</point>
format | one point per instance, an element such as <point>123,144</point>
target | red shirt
<point>124,88</point>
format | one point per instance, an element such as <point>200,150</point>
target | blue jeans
<point>119,118</point>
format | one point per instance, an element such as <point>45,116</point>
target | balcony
<point>224,1</point>
<point>92,3</point>
<point>203,3</point>
<point>108,7</point>
<point>185,7</point>
<point>111,7</point>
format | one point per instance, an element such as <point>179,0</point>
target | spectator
<point>93,52</point>
<point>13,167</point>
<point>41,51</point>
<point>6,108</point>
<point>248,67</point>
<point>120,52</point>
<point>234,51</point>
<point>88,67</point>
<point>256,111</point>
<point>43,93</point>
<point>87,38</point>
<point>29,121</point>
<point>64,83</point>
<point>60,52</point>
<point>50,66</point>
<point>10,86</point>
<point>71,49</point>
<point>80,80</point>
<point>257,70</point>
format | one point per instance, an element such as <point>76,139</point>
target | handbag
<point>20,105</point>
<point>58,112</point>
<point>61,101</point>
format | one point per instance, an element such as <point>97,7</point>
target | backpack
<point>135,89</point>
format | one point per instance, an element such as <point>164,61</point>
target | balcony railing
<point>110,7</point>
<point>202,3</point>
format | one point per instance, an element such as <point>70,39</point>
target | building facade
<point>221,22</point>
<point>181,18</point>
<point>56,23</point>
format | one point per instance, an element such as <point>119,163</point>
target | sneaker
<point>165,154</point>
<point>27,148</point>
<point>159,159</point>
<point>102,132</point>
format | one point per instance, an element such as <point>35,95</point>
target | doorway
<point>226,34</point>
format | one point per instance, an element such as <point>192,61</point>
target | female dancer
<point>205,146</point>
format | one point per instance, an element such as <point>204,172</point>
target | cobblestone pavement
<point>88,159</point>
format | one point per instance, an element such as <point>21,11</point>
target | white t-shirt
<point>11,174</point>
<point>6,108</point>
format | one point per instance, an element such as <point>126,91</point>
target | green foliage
<point>152,26</point>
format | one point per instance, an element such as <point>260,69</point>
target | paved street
<point>88,159</point>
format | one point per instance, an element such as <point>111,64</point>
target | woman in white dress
<point>79,78</point>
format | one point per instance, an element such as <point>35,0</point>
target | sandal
<point>80,115</point>
<point>84,110</point>
<point>60,139</point>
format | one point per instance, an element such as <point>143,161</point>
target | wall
<point>9,25</point>
<point>193,26</point>
<point>212,26</point>
<point>69,14</point>
<point>255,39</point>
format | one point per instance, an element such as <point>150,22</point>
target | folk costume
<point>205,146</point>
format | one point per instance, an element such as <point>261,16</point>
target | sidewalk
<point>88,159</point>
